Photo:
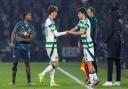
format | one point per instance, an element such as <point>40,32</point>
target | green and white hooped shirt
<point>86,38</point>
<point>49,29</point>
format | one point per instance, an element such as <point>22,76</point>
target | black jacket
<point>113,38</point>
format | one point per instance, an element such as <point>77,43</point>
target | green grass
<point>63,80</point>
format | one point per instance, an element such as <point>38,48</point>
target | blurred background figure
<point>93,20</point>
<point>113,46</point>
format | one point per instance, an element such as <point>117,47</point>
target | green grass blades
<point>60,78</point>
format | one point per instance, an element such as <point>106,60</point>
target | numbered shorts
<point>54,56</point>
<point>89,54</point>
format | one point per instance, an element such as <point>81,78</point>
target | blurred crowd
<point>11,11</point>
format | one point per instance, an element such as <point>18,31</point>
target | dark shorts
<point>21,54</point>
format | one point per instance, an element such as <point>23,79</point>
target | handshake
<point>69,32</point>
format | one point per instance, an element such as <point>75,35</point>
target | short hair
<point>82,10</point>
<point>52,8</point>
<point>92,9</point>
<point>25,13</point>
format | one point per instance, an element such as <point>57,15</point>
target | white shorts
<point>89,54</point>
<point>54,56</point>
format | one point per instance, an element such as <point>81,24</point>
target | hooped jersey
<point>86,38</point>
<point>49,29</point>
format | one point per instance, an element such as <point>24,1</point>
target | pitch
<point>62,79</point>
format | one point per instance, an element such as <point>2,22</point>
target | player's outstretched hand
<point>69,32</point>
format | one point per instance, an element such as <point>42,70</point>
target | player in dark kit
<point>21,39</point>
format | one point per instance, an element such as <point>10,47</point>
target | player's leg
<point>109,72</point>
<point>54,63</point>
<point>28,72</point>
<point>94,62</point>
<point>86,71</point>
<point>14,70</point>
<point>95,65</point>
<point>84,67</point>
<point>49,68</point>
<point>51,65</point>
<point>52,73</point>
<point>110,69</point>
<point>92,73</point>
<point>16,56</point>
<point>118,72</point>
<point>26,57</point>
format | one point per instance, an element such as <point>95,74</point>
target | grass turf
<point>63,80</point>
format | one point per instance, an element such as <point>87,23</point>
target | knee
<point>15,66</point>
<point>26,63</point>
<point>89,63</point>
<point>55,64</point>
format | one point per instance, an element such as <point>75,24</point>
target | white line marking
<point>73,77</point>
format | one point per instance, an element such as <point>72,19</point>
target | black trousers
<point>94,62</point>
<point>110,69</point>
<point>95,65</point>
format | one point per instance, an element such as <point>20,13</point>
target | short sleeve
<point>52,26</point>
<point>32,32</point>
<point>17,26</point>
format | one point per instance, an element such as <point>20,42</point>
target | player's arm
<point>32,35</point>
<point>74,31</point>
<point>82,27</point>
<point>57,34</point>
<point>13,35</point>
<point>81,32</point>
